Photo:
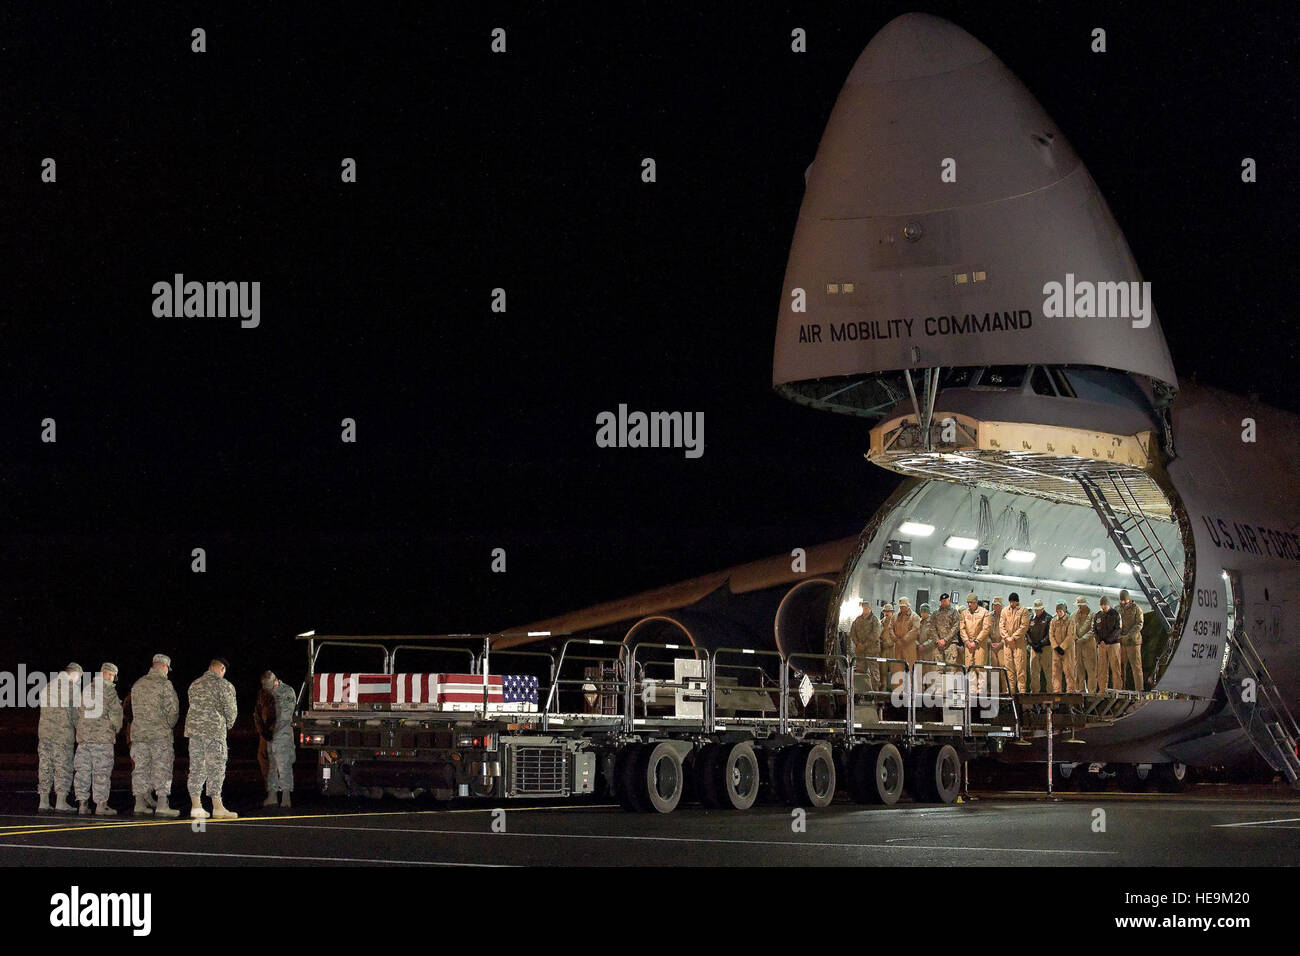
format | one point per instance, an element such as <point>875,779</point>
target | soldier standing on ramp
<point>1061,636</point>
<point>974,625</point>
<point>1014,626</point>
<point>211,715</point>
<point>1085,645</point>
<point>98,722</point>
<point>56,737</point>
<point>865,637</point>
<point>948,624</point>
<point>156,709</point>
<point>1130,637</point>
<point>280,751</point>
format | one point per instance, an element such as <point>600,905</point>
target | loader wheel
<point>737,776</point>
<point>877,774</point>
<point>706,776</point>
<point>815,783</point>
<point>626,787</point>
<point>659,777</point>
<point>786,774</point>
<point>919,778</point>
<point>1171,777</point>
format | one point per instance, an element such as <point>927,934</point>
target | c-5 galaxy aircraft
<point>957,281</point>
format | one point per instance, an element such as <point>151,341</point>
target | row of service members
<point>1085,652</point>
<point>78,729</point>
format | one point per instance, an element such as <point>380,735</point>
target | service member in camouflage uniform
<point>927,644</point>
<point>865,637</point>
<point>886,643</point>
<point>155,710</point>
<point>907,631</point>
<point>1130,636</point>
<point>948,624</point>
<point>280,779</point>
<point>1085,646</point>
<point>98,721</point>
<point>56,737</point>
<point>210,716</point>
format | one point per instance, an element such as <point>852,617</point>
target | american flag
<point>468,689</point>
<point>349,689</point>
<point>520,689</point>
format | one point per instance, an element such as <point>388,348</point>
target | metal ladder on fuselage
<point>1269,718</point>
<point>1163,598</point>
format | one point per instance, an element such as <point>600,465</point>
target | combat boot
<point>104,810</point>
<point>149,801</point>
<point>61,804</point>
<point>196,811</point>
<point>219,811</point>
<point>284,799</point>
<point>269,801</point>
<point>163,809</point>
<point>45,804</point>
<point>83,808</point>
<point>142,808</point>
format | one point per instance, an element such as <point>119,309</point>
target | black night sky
<point>477,430</point>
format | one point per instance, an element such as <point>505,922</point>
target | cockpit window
<point>1040,382</point>
<point>1003,376</point>
<point>957,377</point>
<point>1062,383</point>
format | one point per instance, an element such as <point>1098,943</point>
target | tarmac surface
<point>1207,825</point>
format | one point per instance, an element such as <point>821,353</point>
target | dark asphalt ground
<point>1208,825</point>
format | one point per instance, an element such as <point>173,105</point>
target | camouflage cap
<point>1038,605</point>
<point>1060,606</point>
<point>924,609</point>
<point>109,668</point>
<point>1081,600</point>
<point>904,602</point>
<point>887,607</point>
<point>162,659</point>
<point>268,680</point>
<point>73,667</point>
<point>997,600</point>
<point>972,598</point>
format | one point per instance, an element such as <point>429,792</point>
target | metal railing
<point>826,691</point>
<point>620,661</point>
<point>999,677</point>
<point>629,710</point>
<point>762,687</point>
<point>391,666</point>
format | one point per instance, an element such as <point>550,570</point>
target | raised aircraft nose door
<point>947,222</point>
